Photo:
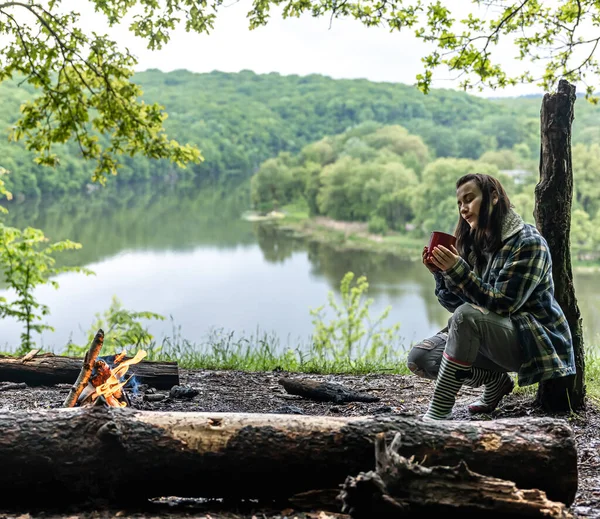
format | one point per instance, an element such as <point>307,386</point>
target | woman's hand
<point>428,264</point>
<point>444,258</point>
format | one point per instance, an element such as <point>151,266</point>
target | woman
<point>498,285</point>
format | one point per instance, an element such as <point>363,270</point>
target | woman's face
<point>469,198</point>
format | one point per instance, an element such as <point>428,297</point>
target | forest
<point>351,149</point>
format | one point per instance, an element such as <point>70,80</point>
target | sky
<point>302,46</point>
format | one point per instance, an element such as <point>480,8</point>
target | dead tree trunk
<point>77,455</point>
<point>553,197</point>
<point>48,369</point>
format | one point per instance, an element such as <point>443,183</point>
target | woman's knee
<point>424,358</point>
<point>465,317</point>
<point>465,332</point>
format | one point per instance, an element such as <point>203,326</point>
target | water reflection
<point>275,245</point>
<point>390,277</point>
<point>151,217</point>
<point>587,292</point>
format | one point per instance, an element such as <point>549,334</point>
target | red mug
<point>439,238</point>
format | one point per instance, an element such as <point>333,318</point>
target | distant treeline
<point>239,120</point>
<point>384,175</point>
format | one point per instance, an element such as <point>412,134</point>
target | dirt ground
<point>232,391</point>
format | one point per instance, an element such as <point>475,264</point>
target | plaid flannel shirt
<point>518,283</point>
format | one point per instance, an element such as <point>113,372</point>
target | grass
<point>223,351</point>
<point>263,352</point>
<point>392,243</point>
<point>592,375</point>
<point>296,212</point>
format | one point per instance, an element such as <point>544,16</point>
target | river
<point>185,252</point>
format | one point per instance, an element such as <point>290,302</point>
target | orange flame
<point>111,389</point>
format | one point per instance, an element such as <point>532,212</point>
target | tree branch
<point>51,92</point>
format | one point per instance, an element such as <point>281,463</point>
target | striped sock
<point>477,377</point>
<point>449,381</point>
<point>497,384</point>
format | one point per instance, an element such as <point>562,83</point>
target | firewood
<point>401,487</point>
<point>120,358</point>
<point>324,391</point>
<point>86,369</point>
<point>183,392</point>
<point>327,499</point>
<point>96,453</point>
<point>102,373</point>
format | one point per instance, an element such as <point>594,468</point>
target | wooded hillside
<point>238,120</point>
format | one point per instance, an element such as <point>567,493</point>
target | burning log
<point>48,369</point>
<point>102,373</point>
<point>108,383</point>
<point>86,369</point>
<point>245,456</point>
<point>401,487</point>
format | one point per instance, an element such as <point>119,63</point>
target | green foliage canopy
<point>561,35</point>
<point>241,119</point>
<point>344,176</point>
<point>82,82</point>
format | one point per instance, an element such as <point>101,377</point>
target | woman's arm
<point>525,266</point>
<point>449,300</point>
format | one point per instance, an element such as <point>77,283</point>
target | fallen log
<point>48,369</point>
<point>97,453</point>
<point>400,487</point>
<point>324,391</point>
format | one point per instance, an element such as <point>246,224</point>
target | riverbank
<point>354,236</point>
<point>295,220</point>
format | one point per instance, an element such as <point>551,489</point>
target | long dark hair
<point>487,237</point>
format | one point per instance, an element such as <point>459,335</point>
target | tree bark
<point>49,369</point>
<point>78,455</point>
<point>553,198</point>
<point>401,488</point>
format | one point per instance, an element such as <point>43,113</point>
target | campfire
<point>101,382</point>
<point>106,383</point>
